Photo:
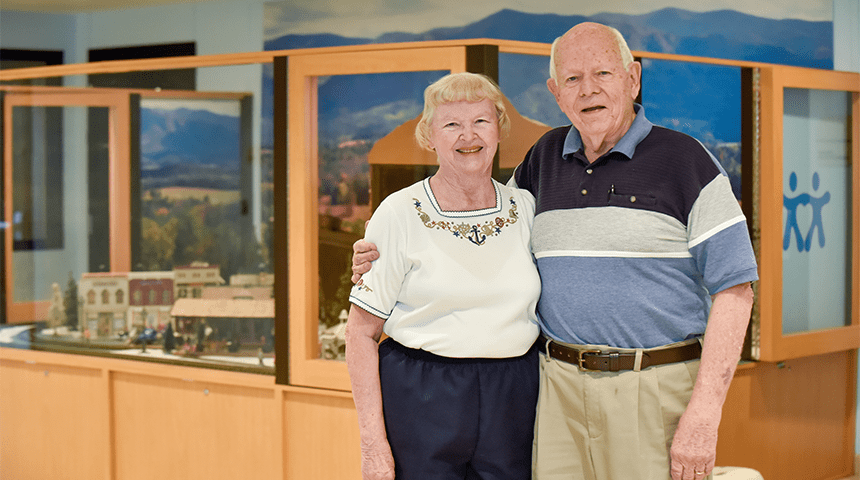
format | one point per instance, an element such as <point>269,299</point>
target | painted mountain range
<point>189,148</point>
<point>719,34</point>
<point>199,148</point>
<point>703,101</point>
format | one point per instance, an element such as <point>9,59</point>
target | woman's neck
<point>463,192</point>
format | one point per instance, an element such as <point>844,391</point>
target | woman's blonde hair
<point>459,87</point>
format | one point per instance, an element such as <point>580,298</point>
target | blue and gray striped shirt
<point>631,247</point>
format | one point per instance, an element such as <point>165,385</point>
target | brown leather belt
<point>609,361</point>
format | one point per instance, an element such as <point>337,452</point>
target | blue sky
<point>371,18</point>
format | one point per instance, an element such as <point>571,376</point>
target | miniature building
<point>262,279</point>
<point>191,279</point>
<point>117,303</point>
<point>246,320</point>
<point>104,303</point>
<point>151,297</point>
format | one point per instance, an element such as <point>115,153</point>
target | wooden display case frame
<point>774,345</point>
<point>119,114</point>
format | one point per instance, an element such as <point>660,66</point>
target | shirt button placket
<point>585,184</point>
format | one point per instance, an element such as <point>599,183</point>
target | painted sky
<point>371,18</point>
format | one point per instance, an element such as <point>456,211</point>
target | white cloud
<point>219,107</point>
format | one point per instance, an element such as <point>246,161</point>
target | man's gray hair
<point>623,50</point>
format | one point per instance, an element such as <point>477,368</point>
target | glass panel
<point>816,259</point>
<point>197,229</point>
<point>37,199</point>
<point>522,79</point>
<point>703,101</point>
<point>205,219</point>
<point>51,210</point>
<point>350,161</point>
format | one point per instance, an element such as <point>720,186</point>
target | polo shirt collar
<point>639,129</point>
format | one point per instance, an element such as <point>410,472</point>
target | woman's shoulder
<point>517,193</point>
<point>406,195</point>
<point>521,198</point>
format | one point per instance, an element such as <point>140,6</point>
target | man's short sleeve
<point>718,238</point>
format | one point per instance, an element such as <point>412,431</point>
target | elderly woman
<point>451,392</point>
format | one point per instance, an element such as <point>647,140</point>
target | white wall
<point>221,26</point>
<point>35,31</point>
<point>846,35</point>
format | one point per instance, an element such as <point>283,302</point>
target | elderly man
<point>636,229</point>
<point>645,264</point>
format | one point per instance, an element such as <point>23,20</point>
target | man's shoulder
<point>663,137</point>
<point>678,152</point>
<point>550,144</point>
<point>554,136</point>
<point>415,191</point>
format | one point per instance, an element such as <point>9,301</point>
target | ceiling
<point>81,6</point>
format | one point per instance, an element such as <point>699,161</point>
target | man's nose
<point>588,86</point>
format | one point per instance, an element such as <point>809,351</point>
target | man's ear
<point>635,72</point>
<point>553,88</point>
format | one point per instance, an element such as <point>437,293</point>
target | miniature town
<point>189,312</point>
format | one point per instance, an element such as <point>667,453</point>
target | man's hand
<point>694,448</point>
<point>363,253</point>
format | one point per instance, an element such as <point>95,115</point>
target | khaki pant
<point>608,425</point>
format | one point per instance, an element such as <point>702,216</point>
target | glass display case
<point>213,227</point>
<point>140,220</point>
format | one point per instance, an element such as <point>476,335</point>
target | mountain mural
<point>197,148</point>
<point>718,34</point>
<point>700,100</point>
<point>189,148</point>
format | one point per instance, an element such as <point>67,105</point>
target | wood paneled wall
<point>76,417</point>
<point>792,420</point>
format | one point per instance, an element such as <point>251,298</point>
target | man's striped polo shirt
<point>631,247</point>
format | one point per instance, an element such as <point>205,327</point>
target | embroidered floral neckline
<point>475,233</point>
<point>463,213</point>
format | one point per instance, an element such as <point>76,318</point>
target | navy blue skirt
<point>458,418</point>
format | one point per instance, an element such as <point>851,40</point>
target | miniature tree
<point>169,341</point>
<point>56,314</point>
<point>71,302</point>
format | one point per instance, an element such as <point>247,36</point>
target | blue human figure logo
<point>817,205</point>
<point>791,205</point>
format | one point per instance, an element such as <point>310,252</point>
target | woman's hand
<point>377,464</point>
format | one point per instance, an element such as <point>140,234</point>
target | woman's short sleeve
<point>378,289</point>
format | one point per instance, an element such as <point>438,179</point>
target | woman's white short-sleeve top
<point>454,283</point>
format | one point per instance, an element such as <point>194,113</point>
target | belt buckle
<point>582,354</point>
